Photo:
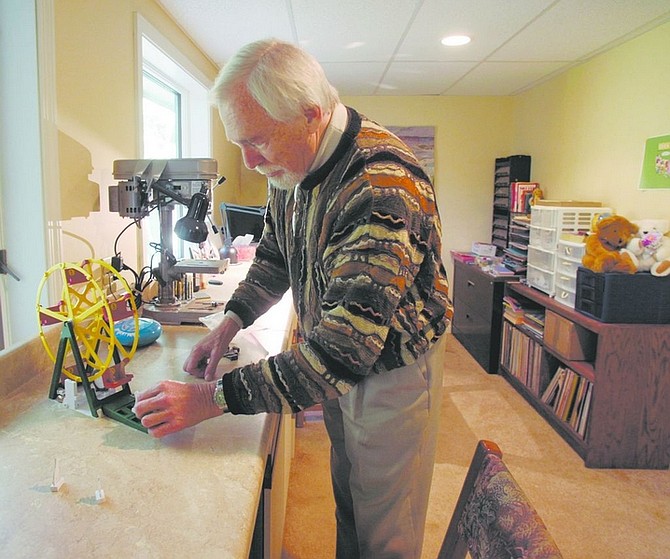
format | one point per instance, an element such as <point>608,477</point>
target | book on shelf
<point>533,325</point>
<point>578,405</point>
<point>521,236</point>
<point>569,394</point>
<point>499,270</point>
<point>515,266</point>
<point>465,257</point>
<point>522,194</point>
<point>521,357</point>
<point>584,414</point>
<point>520,250</point>
<point>515,259</point>
<point>521,221</point>
<point>550,394</point>
<point>566,396</point>
<point>512,310</point>
<point>526,317</point>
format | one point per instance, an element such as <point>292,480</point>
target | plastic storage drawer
<point>541,258</point>
<point>626,298</point>
<point>543,237</point>
<point>565,296</point>
<point>570,249</point>
<point>540,279</point>
<point>567,266</point>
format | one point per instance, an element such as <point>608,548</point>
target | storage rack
<point>515,168</point>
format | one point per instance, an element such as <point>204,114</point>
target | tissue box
<point>246,252</point>
<point>483,249</point>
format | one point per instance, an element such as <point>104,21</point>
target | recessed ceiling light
<point>455,40</point>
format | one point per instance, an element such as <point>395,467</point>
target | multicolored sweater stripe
<point>359,243</point>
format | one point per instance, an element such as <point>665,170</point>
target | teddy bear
<point>606,244</point>
<point>651,247</point>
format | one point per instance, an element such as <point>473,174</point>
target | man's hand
<point>171,406</point>
<point>207,353</point>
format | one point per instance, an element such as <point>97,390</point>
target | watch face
<point>219,397</point>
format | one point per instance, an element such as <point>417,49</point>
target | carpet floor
<point>592,514</point>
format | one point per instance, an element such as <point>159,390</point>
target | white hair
<point>282,78</point>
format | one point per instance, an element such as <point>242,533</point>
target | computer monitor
<point>242,220</point>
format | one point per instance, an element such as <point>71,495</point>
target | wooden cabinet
<point>628,369</point>
<point>478,313</point>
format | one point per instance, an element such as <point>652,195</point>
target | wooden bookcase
<point>628,421</point>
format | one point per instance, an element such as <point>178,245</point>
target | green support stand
<point>117,406</point>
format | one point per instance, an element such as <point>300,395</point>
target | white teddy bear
<point>650,249</point>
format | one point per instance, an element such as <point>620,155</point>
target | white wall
<point>23,221</point>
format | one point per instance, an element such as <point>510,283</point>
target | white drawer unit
<point>552,261</point>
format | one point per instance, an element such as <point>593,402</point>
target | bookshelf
<point>610,406</point>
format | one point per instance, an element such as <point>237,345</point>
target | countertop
<point>194,493</point>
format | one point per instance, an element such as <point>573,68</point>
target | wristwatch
<point>220,397</point>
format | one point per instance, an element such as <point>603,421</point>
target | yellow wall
<point>586,129</point>
<point>470,132</point>
<point>97,115</point>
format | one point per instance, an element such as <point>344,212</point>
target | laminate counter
<point>193,493</point>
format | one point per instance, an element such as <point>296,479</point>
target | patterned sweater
<point>359,244</point>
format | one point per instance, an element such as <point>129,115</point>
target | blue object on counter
<point>150,331</point>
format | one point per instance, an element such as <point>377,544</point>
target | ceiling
<point>392,47</point>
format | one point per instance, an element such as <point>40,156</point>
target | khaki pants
<point>383,436</point>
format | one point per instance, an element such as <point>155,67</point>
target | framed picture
<point>656,164</point>
<point>422,141</point>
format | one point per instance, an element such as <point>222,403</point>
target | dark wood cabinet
<point>628,370</point>
<point>478,313</point>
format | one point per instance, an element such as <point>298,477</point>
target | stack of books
<point>529,319</point>
<point>516,253</point>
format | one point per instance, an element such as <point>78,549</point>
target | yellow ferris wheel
<point>93,296</point>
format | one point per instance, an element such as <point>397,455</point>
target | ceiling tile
<point>351,30</point>
<point>487,22</point>
<point>221,27</point>
<point>422,78</point>
<point>575,29</point>
<point>360,78</point>
<point>502,78</point>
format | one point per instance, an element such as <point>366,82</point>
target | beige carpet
<point>592,514</point>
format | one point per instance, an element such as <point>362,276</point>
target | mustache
<point>266,170</point>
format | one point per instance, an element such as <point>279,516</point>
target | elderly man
<point>352,228</point>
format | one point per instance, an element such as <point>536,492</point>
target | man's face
<point>282,151</point>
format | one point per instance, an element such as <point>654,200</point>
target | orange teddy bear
<point>603,246</point>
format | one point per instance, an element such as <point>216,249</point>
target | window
<point>175,115</point>
<point>161,118</point>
